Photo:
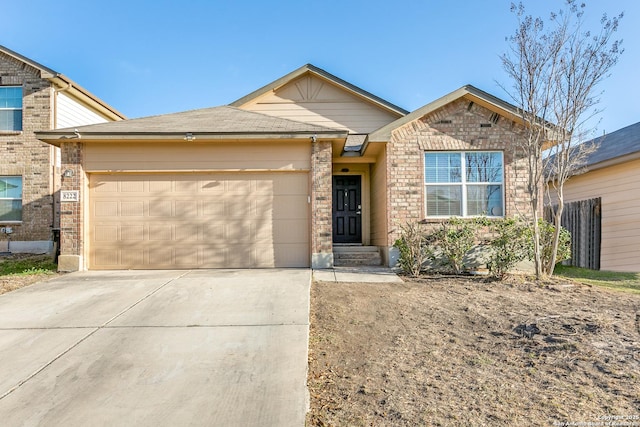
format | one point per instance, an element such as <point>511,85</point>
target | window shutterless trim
<point>15,108</point>
<point>464,184</point>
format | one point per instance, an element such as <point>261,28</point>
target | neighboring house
<point>304,167</point>
<point>606,196</point>
<point>34,97</point>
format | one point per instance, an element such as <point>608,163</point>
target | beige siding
<point>379,235</point>
<point>164,156</point>
<point>310,99</point>
<point>618,187</point>
<point>216,220</point>
<point>70,112</point>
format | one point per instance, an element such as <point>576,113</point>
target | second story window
<point>10,108</point>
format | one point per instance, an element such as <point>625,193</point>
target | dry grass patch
<point>450,351</point>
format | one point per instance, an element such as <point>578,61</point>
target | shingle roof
<point>216,120</point>
<point>615,145</point>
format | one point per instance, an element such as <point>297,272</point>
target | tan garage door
<point>234,220</point>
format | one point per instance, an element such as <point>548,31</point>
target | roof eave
<point>67,85</point>
<point>613,161</point>
<point>57,138</point>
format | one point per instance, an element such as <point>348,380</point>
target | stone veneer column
<point>71,213</point>
<point>321,215</point>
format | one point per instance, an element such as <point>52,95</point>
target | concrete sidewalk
<point>157,348</point>
<point>357,274</point>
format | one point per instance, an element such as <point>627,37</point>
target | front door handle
<point>358,213</point>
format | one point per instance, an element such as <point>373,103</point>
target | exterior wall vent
<point>485,125</point>
<point>494,118</point>
<point>470,106</point>
<point>443,122</point>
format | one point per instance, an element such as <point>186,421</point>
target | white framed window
<point>10,108</point>
<point>10,198</point>
<point>464,183</point>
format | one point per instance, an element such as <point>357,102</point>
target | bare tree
<point>555,72</point>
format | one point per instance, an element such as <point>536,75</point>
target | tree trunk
<point>557,222</point>
<point>537,258</point>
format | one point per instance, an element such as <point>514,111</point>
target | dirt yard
<point>468,352</point>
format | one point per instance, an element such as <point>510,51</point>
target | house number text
<point>70,196</point>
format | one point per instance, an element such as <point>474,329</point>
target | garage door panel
<point>186,186</point>
<point>106,186</point>
<point>132,186</point>
<point>160,208</point>
<point>162,232</point>
<point>132,208</point>
<point>199,221</point>
<point>185,208</point>
<point>106,258</point>
<point>213,208</point>
<point>187,233</point>
<point>106,233</point>
<point>106,209</point>
<point>132,233</point>
<point>216,257</point>
<point>160,186</point>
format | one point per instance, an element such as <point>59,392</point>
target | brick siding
<point>455,126</point>
<point>23,155</point>
<point>71,226</point>
<point>321,206</point>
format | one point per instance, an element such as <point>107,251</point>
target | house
<point>605,203</point>
<point>305,168</point>
<point>34,97</point>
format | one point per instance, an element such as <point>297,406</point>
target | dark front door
<point>347,209</point>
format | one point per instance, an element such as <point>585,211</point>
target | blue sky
<point>162,56</point>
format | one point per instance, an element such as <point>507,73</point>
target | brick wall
<point>321,214</point>
<point>456,126</point>
<point>71,213</point>
<point>22,154</point>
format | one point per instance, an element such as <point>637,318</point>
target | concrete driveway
<point>156,348</point>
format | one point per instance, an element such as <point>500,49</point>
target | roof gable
<point>45,72</point>
<point>312,95</point>
<point>469,92</point>
<point>324,75</point>
<point>66,84</point>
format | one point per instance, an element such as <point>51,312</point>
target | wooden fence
<point>583,220</point>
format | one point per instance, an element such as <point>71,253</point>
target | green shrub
<point>509,246</point>
<point>415,248</point>
<point>511,242</point>
<point>454,239</point>
<point>547,231</point>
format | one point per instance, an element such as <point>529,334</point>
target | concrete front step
<point>353,249</point>
<point>345,256</point>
